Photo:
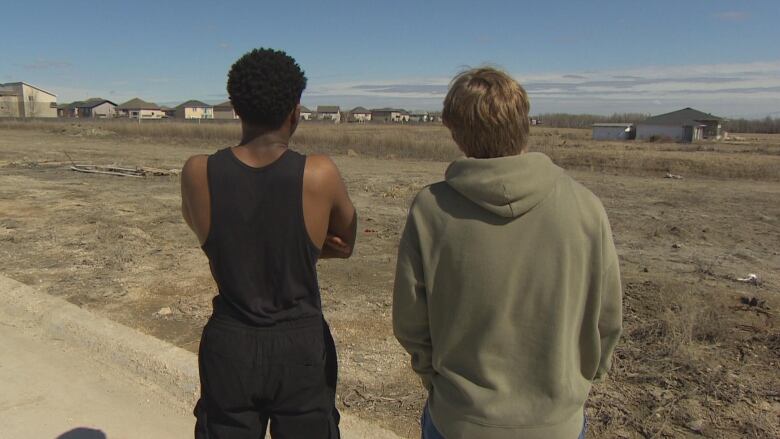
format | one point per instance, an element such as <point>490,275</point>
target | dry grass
<point>682,354</point>
<point>748,157</point>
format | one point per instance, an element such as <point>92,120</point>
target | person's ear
<point>295,117</point>
<point>296,114</point>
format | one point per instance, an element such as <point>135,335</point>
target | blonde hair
<point>486,112</point>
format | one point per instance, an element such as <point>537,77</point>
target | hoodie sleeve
<point>611,312</point>
<point>410,304</point>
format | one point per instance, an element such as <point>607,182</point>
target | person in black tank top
<point>264,215</point>
<point>260,252</point>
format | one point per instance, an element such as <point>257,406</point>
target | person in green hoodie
<point>507,291</point>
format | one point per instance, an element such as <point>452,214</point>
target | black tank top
<point>259,250</point>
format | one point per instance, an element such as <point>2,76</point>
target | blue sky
<point>575,56</point>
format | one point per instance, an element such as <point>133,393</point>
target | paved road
<point>50,389</point>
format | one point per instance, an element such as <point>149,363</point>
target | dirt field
<point>701,350</point>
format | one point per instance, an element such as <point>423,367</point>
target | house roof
<point>359,110</point>
<point>138,104</point>
<point>684,117</point>
<point>388,110</point>
<point>193,104</point>
<point>90,103</point>
<point>29,85</point>
<point>305,110</point>
<point>327,109</point>
<point>165,108</point>
<point>227,105</point>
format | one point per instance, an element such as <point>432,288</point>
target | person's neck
<point>254,137</point>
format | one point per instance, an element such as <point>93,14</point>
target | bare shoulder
<point>194,169</point>
<point>320,169</point>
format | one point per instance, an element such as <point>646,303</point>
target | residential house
<point>418,117</point>
<point>389,115</point>
<point>613,131</point>
<point>194,110</point>
<point>684,125</point>
<point>225,111</point>
<point>96,108</point>
<point>20,99</point>
<point>65,110</point>
<point>359,114</point>
<point>169,112</point>
<point>329,112</point>
<point>139,109</point>
<point>306,114</point>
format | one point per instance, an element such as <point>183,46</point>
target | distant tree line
<point>564,120</point>
<point>766,125</point>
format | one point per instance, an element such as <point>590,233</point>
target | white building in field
<point>613,131</point>
<point>20,99</point>
<point>686,125</point>
<point>139,109</point>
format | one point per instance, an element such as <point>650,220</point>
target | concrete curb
<point>173,369</point>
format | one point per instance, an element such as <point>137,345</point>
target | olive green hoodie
<point>508,298</point>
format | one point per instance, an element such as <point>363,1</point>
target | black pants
<point>249,376</point>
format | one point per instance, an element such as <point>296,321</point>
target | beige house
<point>194,110</point>
<point>359,114</point>
<point>225,111</point>
<point>306,114</point>
<point>139,109</point>
<point>329,112</point>
<point>20,99</point>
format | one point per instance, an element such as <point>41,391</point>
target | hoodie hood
<point>506,186</point>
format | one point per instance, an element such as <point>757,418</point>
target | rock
<point>677,245</point>
<point>352,153</point>
<point>697,425</point>
<point>164,311</point>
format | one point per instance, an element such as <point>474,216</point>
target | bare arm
<point>342,225</point>
<point>195,200</point>
<point>325,183</point>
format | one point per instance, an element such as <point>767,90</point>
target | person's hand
<point>335,247</point>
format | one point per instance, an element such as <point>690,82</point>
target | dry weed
<point>570,148</point>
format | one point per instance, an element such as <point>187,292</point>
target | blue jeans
<point>429,430</point>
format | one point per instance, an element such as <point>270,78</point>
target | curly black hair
<point>264,86</point>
